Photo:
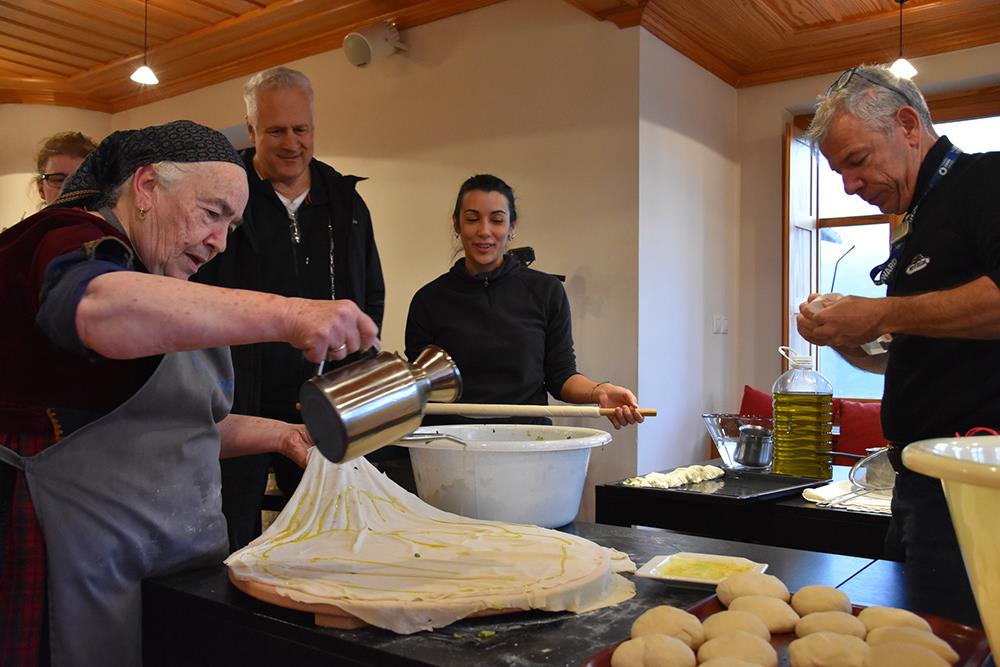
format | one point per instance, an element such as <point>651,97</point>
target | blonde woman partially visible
<point>57,159</point>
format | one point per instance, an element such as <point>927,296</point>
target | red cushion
<point>755,402</point>
<point>860,427</point>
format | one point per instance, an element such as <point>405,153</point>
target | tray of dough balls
<point>753,620</point>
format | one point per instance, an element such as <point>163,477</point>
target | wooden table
<point>199,618</point>
<point>788,521</point>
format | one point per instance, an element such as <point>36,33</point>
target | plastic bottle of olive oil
<point>803,419</point>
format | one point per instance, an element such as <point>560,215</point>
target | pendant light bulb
<point>902,67</point>
<point>143,74</point>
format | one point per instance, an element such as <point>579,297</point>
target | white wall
<point>688,250</point>
<point>763,111</point>
<point>25,126</point>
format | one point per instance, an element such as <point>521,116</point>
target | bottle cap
<point>795,359</point>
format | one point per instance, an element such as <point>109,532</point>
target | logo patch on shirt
<point>919,263</point>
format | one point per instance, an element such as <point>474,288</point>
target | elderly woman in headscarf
<point>114,408</point>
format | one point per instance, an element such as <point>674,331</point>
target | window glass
<point>859,248</point>
<point>973,136</point>
<point>833,201</point>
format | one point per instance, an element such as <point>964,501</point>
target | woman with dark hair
<point>57,159</point>
<point>507,326</point>
<point>114,409</point>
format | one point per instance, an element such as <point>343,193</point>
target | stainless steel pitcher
<point>370,403</point>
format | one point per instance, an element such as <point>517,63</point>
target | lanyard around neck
<point>880,274</point>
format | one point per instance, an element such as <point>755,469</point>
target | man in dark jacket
<point>306,233</point>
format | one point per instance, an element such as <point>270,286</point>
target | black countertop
<point>779,520</point>
<point>199,618</point>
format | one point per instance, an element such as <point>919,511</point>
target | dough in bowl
<point>740,645</point>
<point>903,654</point>
<point>881,617</point>
<point>777,615</point>
<point>665,620</point>
<point>729,621</point>
<point>913,636</point>
<point>830,621</point>
<point>828,649</point>
<point>751,583</point>
<point>653,651</point>
<point>728,662</point>
<point>809,599</point>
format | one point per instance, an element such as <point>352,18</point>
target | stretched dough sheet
<point>351,537</point>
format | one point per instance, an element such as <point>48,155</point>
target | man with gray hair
<point>942,307</point>
<point>306,233</point>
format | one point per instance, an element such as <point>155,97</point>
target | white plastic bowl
<point>506,472</point>
<point>969,469</point>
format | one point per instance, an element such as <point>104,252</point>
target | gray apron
<point>134,494</point>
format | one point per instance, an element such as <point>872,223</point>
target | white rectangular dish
<point>694,568</point>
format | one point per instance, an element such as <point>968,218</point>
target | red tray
<point>970,643</point>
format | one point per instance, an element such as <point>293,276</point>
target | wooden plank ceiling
<point>81,52</point>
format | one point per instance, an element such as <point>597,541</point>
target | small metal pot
<point>361,407</point>
<point>755,448</point>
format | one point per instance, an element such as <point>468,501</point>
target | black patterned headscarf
<point>122,152</point>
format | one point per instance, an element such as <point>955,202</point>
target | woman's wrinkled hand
<point>328,330</point>
<point>296,444</point>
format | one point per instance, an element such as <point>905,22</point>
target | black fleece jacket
<point>509,331</point>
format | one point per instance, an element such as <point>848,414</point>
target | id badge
<point>900,231</point>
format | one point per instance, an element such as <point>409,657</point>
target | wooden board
<point>326,615</point>
<point>970,643</point>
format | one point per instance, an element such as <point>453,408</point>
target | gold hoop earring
<point>142,214</point>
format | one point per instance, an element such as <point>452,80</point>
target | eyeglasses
<point>846,77</point>
<point>55,179</point>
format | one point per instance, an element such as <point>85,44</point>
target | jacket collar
<point>510,265</point>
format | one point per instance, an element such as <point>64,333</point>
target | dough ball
<point>809,599</point>
<point>778,616</point>
<point>913,636</point>
<point>830,621</point>
<point>891,617</point>
<point>740,645</point>
<point>727,622</point>
<point>727,662</point>
<point>828,649</point>
<point>653,651</point>
<point>902,654</point>
<point>750,583</point>
<point>664,620</point>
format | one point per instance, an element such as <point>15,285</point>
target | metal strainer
<point>869,474</point>
<point>874,472</point>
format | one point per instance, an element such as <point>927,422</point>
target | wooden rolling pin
<point>500,410</point>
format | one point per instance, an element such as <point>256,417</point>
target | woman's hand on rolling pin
<point>328,330</point>
<point>622,400</point>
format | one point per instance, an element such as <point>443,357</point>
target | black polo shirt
<point>938,386</point>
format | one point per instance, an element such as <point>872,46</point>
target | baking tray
<point>737,486</point>
<point>970,643</point>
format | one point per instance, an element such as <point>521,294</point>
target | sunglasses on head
<point>848,75</point>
